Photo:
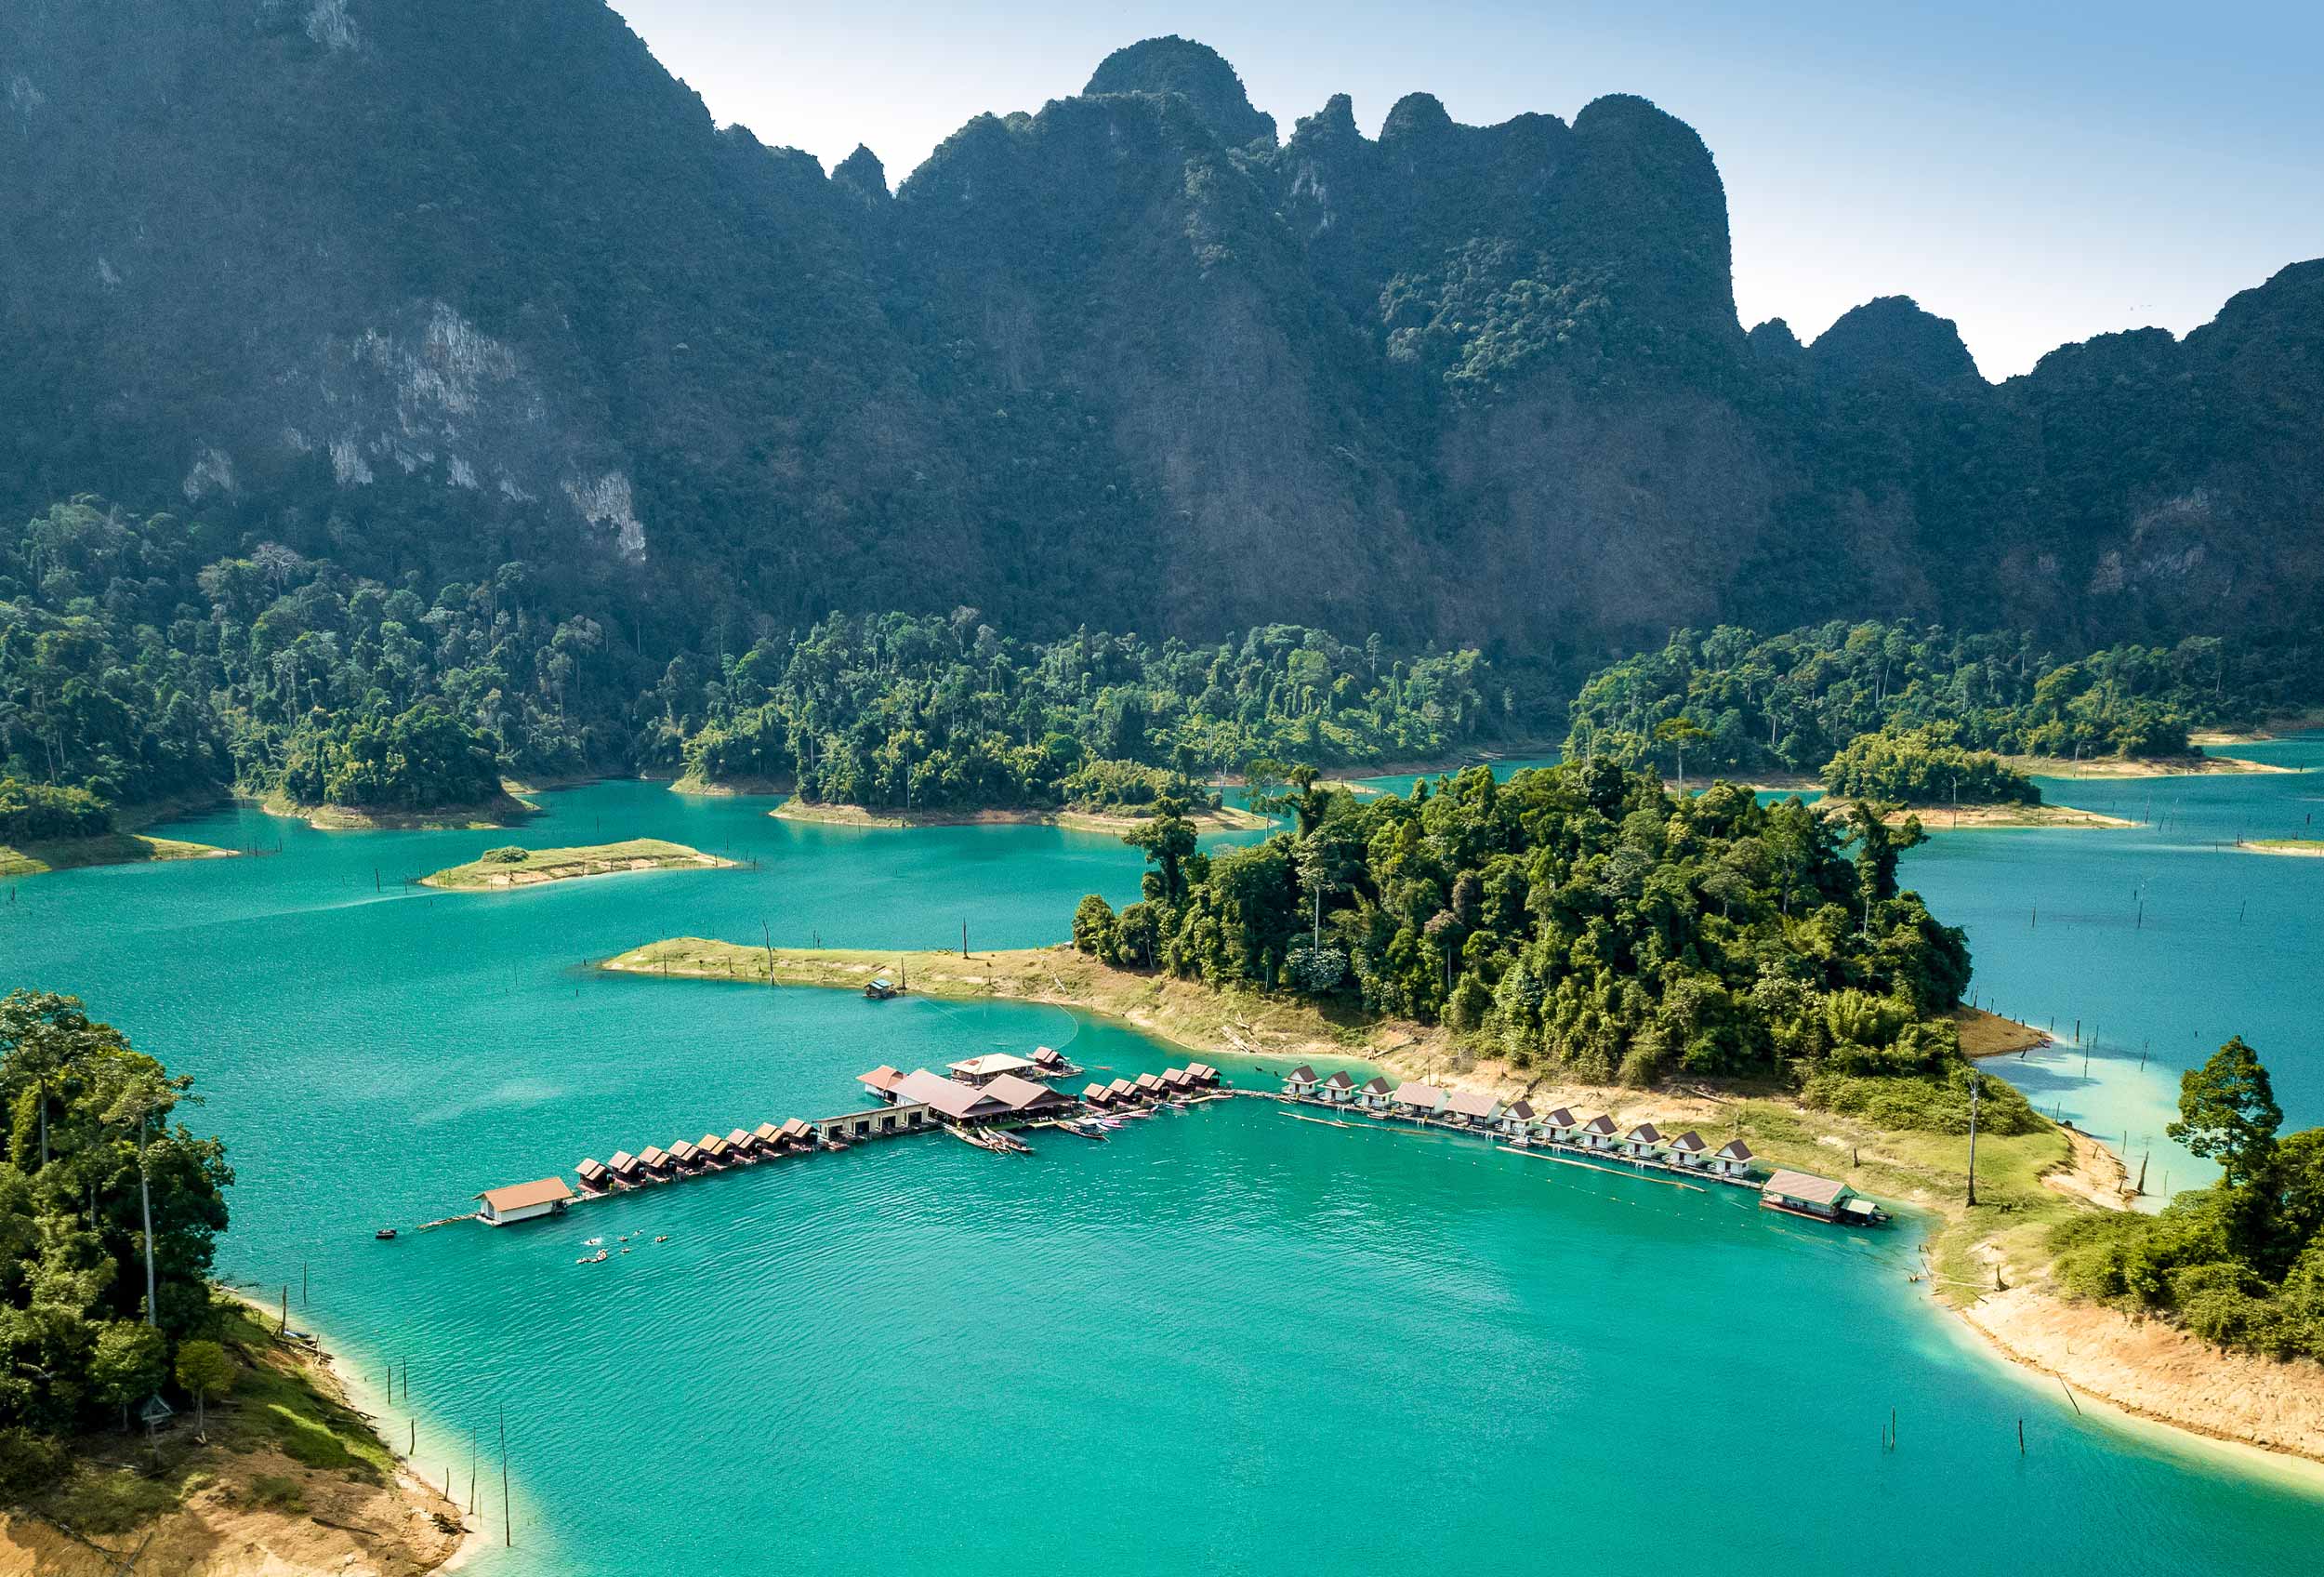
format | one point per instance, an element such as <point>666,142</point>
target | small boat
<point>385,1234</point>
<point>592,1242</point>
<point>662,1239</point>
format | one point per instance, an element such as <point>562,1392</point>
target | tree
<point>1093,928</point>
<point>2227,1113</point>
<point>1677,732</point>
<point>207,1374</point>
<point>130,1362</point>
<point>1167,838</point>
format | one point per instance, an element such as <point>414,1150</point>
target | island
<point>513,867</point>
<point>2310,847</point>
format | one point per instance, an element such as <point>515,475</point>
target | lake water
<point>1225,1341</point>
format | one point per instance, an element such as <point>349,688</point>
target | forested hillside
<point>157,660</point>
<point>1736,701</point>
<point>427,288</point>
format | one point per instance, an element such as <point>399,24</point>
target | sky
<point>2036,172</point>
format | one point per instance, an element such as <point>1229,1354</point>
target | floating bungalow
<point>684,1158</point>
<point>742,1146</point>
<point>1300,1082</point>
<point>880,1122</point>
<point>1024,1098</point>
<point>1804,1193</point>
<point>523,1201</point>
<point>1597,1134</point>
<point>1417,1100</point>
<point>1732,1159</point>
<point>1123,1093</point>
<point>1098,1096</point>
<point>628,1170</point>
<point>1515,1120</point>
<point>1470,1108</point>
<point>1150,1088</point>
<point>1559,1125</point>
<point>1339,1088</point>
<point>1175,1082</point>
<point>795,1134</point>
<point>768,1139</point>
<point>1054,1063</point>
<point>1643,1143</point>
<point>1203,1074</point>
<point>656,1163</point>
<point>1687,1149</point>
<point>992,1065</point>
<point>1373,1095</point>
<point>714,1150</point>
<point>879,988</point>
<point>593,1177</point>
<point>881,1082</point>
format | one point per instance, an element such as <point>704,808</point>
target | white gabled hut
<point>1732,1159</point>
<point>1339,1088</point>
<point>1643,1143</point>
<point>1300,1082</point>
<point>1687,1149</point>
<point>1373,1095</point>
<point>1515,1119</point>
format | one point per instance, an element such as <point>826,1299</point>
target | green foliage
<point>1796,701</point>
<point>1577,916</point>
<point>278,1491</point>
<point>2241,1263</point>
<point>507,854</point>
<point>1921,766</point>
<point>895,711</point>
<point>35,812</point>
<point>418,760</point>
<point>85,1120</point>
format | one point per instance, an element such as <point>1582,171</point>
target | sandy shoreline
<point>338,1526</point>
<point>1225,819</point>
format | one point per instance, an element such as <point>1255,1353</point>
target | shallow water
<point>1222,1342</point>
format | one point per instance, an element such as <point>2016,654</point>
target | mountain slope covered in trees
<point>432,287</point>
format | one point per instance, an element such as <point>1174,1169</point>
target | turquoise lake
<point>1224,1342</point>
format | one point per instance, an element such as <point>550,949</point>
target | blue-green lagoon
<point>1225,1341</point>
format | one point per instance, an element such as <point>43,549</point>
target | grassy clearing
<point>560,865</point>
<point>280,1407</point>
<point>2308,846</point>
<point>113,848</point>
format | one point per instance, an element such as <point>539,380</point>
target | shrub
<point>507,854</point>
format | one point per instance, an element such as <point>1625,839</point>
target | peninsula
<point>1991,1264</point>
<point>1217,818</point>
<point>513,867</point>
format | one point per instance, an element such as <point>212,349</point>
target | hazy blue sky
<point>2038,172</point>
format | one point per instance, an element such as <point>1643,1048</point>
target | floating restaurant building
<point>1804,1193</point>
<point>992,1065</point>
<point>1419,1100</point>
<point>523,1201</point>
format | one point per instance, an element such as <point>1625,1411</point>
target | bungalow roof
<point>738,1140</point>
<point>949,1097</point>
<point>881,1079</point>
<point>1807,1187</point>
<point>681,1151</point>
<point>1341,1080</point>
<point>1735,1149</point>
<point>1121,1087</point>
<point>1376,1086</point>
<point>765,1131</point>
<point>1096,1094</point>
<point>1023,1094</point>
<point>521,1196</point>
<point>1148,1082</point>
<point>793,1128</point>
<point>1563,1117</point>
<point>1599,1124</point>
<point>591,1167</point>
<point>1691,1142</point>
<point>622,1162</point>
<point>1301,1075</point>
<point>1521,1110</point>
<point>652,1155</point>
<point>1647,1133</point>
<point>1472,1102</point>
<point>987,1066</point>
<point>1415,1094</point>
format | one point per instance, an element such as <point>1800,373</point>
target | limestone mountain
<point>439,283</point>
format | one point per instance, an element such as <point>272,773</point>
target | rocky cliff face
<point>452,280</point>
